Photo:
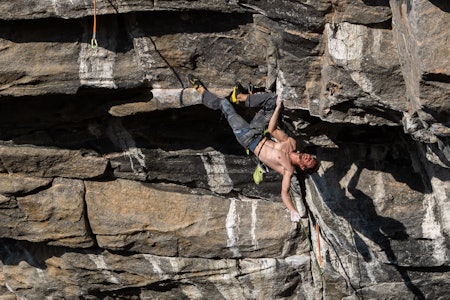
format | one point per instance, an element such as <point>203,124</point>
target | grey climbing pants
<point>247,134</point>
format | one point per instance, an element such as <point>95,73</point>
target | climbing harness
<point>94,28</point>
<point>261,168</point>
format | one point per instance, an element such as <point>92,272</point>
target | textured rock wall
<point>116,183</point>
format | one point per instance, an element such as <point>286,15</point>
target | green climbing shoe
<point>258,175</point>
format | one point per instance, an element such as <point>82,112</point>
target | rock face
<point>116,183</point>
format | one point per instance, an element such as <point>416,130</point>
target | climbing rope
<point>94,28</point>
<point>308,238</point>
<point>319,255</point>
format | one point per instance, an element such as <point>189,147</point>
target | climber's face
<point>306,161</point>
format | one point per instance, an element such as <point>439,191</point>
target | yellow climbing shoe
<point>234,94</point>
<point>196,83</point>
<point>237,89</point>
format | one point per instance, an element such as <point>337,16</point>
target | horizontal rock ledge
<point>55,215</point>
<point>68,275</point>
<point>23,9</point>
<point>171,221</point>
<point>50,162</point>
<point>164,99</point>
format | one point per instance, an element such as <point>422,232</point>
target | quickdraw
<point>94,29</point>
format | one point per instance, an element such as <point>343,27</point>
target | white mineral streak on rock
<point>345,41</point>
<point>431,228</point>
<point>253,228</point>
<point>156,268</point>
<point>177,265</point>
<point>380,192</point>
<point>55,5</point>
<point>144,51</point>
<point>96,66</point>
<point>346,179</point>
<point>297,198</point>
<point>216,170</point>
<point>441,191</point>
<point>3,199</point>
<point>41,274</point>
<point>298,260</point>
<point>254,219</point>
<point>232,226</point>
<point>346,47</point>
<point>376,42</point>
<point>192,292</point>
<point>124,140</point>
<point>155,262</point>
<point>9,288</point>
<point>364,82</point>
<point>231,290</point>
<point>267,263</point>
<point>370,267</point>
<point>100,263</point>
<point>227,284</point>
<point>283,89</point>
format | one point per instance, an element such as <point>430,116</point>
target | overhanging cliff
<point>116,183</point>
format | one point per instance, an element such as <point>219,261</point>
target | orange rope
<point>94,29</point>
<point>319,255</point>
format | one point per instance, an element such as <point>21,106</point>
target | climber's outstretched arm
<point>273,129</point>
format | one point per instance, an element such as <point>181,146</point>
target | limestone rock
<point>69,274</point>
<point>368,12</point>
<point>12,184</point>
<point>158,220</point>
<point>357,65</point>
<point>55,215</point>
<point>423,53</point>
<point>46,162</point>
<point>116,182</point>
<point>75,9</point>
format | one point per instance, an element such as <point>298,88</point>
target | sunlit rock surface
<point>117,183</point>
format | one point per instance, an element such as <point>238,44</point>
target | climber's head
<point>305,161</point>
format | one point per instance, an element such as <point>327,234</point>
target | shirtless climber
<point>281,155</point>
